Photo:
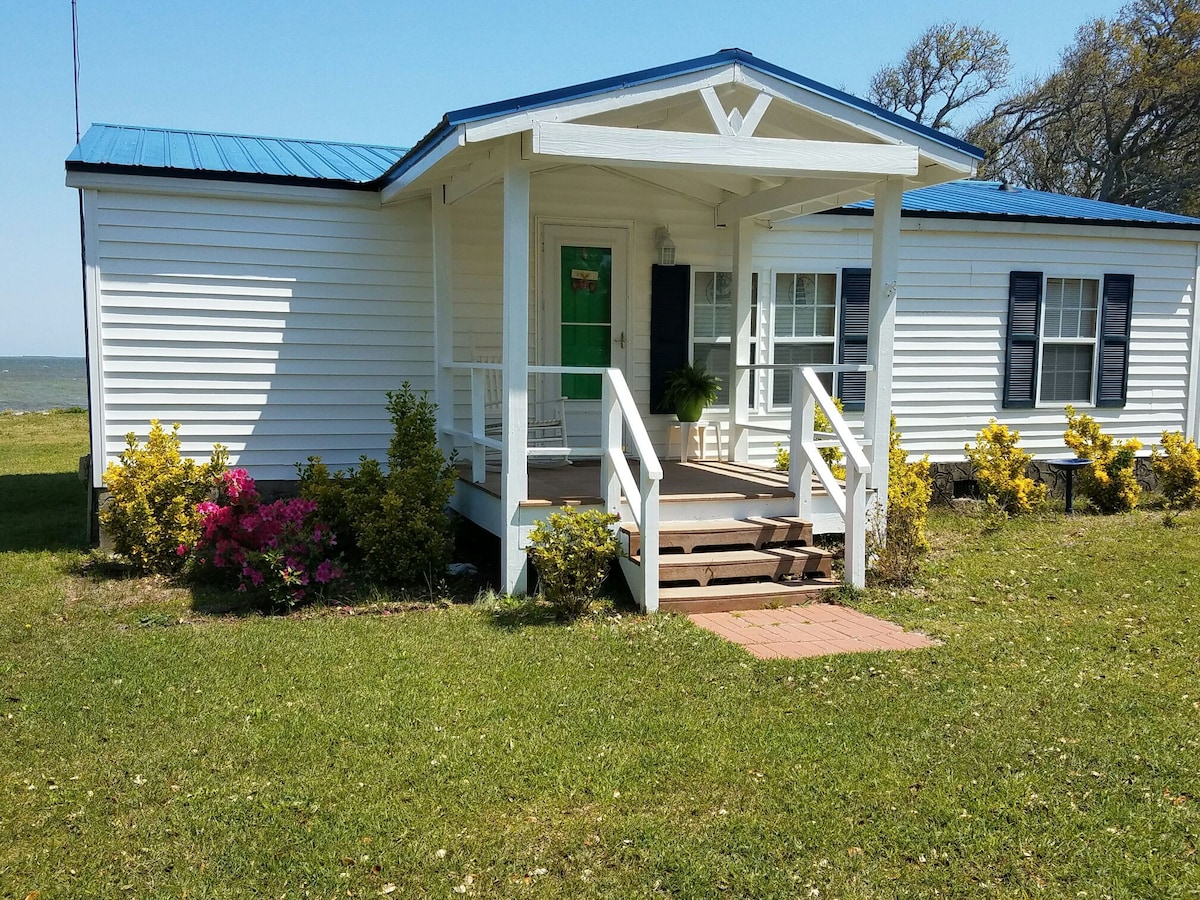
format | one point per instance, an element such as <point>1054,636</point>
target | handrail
<point>619,417</point>
<point>807,394</point>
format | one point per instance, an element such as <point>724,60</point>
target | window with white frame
<point>804,329</point>
<point>1070,312</point>
<point>712,323</point>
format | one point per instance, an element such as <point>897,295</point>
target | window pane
<point>715,358</point>
<point>1067,373</point>
<point>1071,307</point>
<point>805,305</point>
<point>805,354</point>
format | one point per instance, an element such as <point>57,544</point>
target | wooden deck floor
<point>579,484</point>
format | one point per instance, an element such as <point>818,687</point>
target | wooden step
<point>772,564</point>
<point>735,597</point>
<point>755,532</point>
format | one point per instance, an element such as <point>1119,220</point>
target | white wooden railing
<point>619,418</point>
<point>805,451</point>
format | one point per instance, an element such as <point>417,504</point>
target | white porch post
<point>739,350</point>
<point>514,475</point>
<point>443,320</point>
<point>881,335</point>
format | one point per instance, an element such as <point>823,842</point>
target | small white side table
<point>681,433</point>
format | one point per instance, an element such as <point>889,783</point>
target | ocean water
<point>34,383</point>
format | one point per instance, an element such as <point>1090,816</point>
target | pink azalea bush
<point>278,549</point>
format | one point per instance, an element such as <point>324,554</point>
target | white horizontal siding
<point>273,328</point>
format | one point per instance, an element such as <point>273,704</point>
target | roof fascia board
<point>136,182</point>
<point>619,98</point>
<point>441,144</point>
<point>942,148</point>
<point>982,223</point>
<point>639,147</point>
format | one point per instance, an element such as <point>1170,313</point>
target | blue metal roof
<point>206,154</point>
<point>990,200</point>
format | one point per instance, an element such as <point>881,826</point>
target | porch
<point>555,223</point>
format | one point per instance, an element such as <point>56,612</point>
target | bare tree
<point>1120,118</point>
<point>946,68</point>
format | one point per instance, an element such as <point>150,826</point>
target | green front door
<point>585,317</point>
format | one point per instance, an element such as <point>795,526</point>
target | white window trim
<point>755,338</point>
<point>1043,340</point>
<point>772,341</point>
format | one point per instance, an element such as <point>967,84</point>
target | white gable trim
<point>861,120</point>
<point>617,98</point>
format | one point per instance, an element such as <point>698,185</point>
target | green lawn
<point>1050,748</point>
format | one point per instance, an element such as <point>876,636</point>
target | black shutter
<point>1021,355</point>
<point>1113,369</point>
<point>852,350</point>
<point>669,326</point>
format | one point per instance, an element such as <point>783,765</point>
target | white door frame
<point>554,233</point>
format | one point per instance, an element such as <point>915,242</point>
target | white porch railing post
<point>741,378</point>
<point>443,320</point>
<point>478,428</point>
<point>610,441</point>
<point>856,527</point>
<point>800,468</point>
<point>649,531</point>
<point>514,472</point>
<point>881,330</point>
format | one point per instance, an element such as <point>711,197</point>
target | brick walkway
<point>818,629</point>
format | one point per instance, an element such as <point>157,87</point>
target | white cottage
<point>572,247</point>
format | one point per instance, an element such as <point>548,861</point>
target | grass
<point>1048,749</point>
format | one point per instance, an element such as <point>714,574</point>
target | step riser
<point>754,534</point>
<point>721,564</point>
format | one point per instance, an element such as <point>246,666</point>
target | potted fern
<point>689,390</point>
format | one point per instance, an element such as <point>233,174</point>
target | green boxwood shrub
<point>392,522</point>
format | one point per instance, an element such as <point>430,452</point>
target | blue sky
<point>379,72</point>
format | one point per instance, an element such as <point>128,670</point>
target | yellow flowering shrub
<point>1176,463</point>
<point>153,491</point>
<point>898,546</point>
<point>1000,470</point>
<point>833,456</point>
<point>573,552</point>
<point>1109,482</point>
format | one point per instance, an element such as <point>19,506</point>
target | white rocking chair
<point>547,422</point>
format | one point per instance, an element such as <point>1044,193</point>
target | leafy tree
<point>946,68</point>
<point>1120,118</point>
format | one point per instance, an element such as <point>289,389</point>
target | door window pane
<point>586,316</point>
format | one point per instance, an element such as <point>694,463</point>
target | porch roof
<point>530,102</point>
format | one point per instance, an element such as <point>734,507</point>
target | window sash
<point>710,340</point>
<point>1067,345</point>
